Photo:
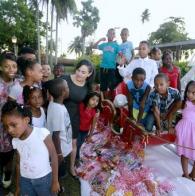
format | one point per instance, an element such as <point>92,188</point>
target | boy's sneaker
<point>6,180</point>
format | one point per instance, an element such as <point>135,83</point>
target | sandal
<point>186,176</point>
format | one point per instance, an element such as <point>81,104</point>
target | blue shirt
<point>126,48</point>
<point>137,94</point>
<point>110,51</point>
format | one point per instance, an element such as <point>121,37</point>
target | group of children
<point>36,124</point>
<point>38,120</point>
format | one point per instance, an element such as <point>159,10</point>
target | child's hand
<point>55,187</point>
<point>171,130</point>
<point>60,158</point>
<point>103,39</point>
<point>97,114</point>
<point>158,132</point>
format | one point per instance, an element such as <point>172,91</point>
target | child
<point>46,72</point>
<point>7,78</point>
<point>126,47</point>
<point>108,65</point>
<point>138,91</point>
<point>28,53</point>
<point>165,102</point>
<point>144,62</point>
<point>58,70</point>
<point>173,72</point>
<point>185,130</point>
<point>32,72</point>
<point>58,122</point>
<point>155,54</point>
<point>33,97</point>
<point>89,112</point>
<point>35,150</point>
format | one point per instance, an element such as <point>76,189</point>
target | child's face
<point>58,71</point>
<point>66,90</point>
<point>36,99</point>
<point>191,93</point>
<point>82,73</point>
<point>29,56</point>
<point>46,72</point>
<point>111,35</point>
<point>138,80</point>
<point>161,85</point>
<point>167,60</point>
<point>143,50</point>
<point>9,68</point>
<point>93,101</point>
<point>15,125</point>
<point>124,35</point>
<point>36,73</point>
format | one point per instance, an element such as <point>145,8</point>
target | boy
<point>58,70</point>
<point>126,47</point>
<point>144,62</point>
<point>138,91</point>
<point>108,65</point>
<point>165,102</point>
<point>58,122</point>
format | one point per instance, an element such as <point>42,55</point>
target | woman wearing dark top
<point>79,85</point>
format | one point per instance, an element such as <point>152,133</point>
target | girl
<point>138,91</point>
<point>89,112</point>
<point>32,72</point>
<point>33,97</point>
<point>7,78</point>
<point>35,150</point>
<point>155,54</point>
<point>79,83</point>
<point>172,71</point>
<point>185,130</point>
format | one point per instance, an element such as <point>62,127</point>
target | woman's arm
<point>142,103</point>
<point>54,164</point>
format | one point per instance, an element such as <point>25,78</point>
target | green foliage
<point>76,46</point>
<point>183,66</point>
<point>17,18</point>
<point>171,31</point>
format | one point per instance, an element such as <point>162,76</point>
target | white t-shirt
<point>58,119</point>
<point>147,64</point>
<point>34,155</point>
<point>40,121</point>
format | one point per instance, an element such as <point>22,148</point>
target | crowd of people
<point>45,119</point>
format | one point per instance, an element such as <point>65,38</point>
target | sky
<point>127,13</point>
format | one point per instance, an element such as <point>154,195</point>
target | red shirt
<point>86,117</point>
<point>172,75</point>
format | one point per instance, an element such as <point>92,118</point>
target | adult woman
<point>79,85</point>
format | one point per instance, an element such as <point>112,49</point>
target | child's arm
<point>54,164</point>
<point>95,46</point>
<point>176,105</point>
<point>57,144</point>
<point>17,191</point>
<point>130,105</point>
<point>156,112</point>
<point>95,118</point>
<point>142,103</point>
<point>179,82</point>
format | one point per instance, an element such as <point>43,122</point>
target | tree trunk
<point>56,49</point>
<point>51,38</point>
<point>38,34</point>
<point>47,22</point>
<point>83,46</point>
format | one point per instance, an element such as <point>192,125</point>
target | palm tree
<point>145,16</point>
<point>64,7</point>
<point>76,46</point>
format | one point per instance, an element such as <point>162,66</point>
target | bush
<point>183,66</point>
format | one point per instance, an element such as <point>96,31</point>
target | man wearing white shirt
<point>144,62</point>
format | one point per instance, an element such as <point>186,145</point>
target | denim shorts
<point>36,187</point>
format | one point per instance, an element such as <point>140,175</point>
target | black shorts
<point>107,79</point>
<point>5,158</point>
